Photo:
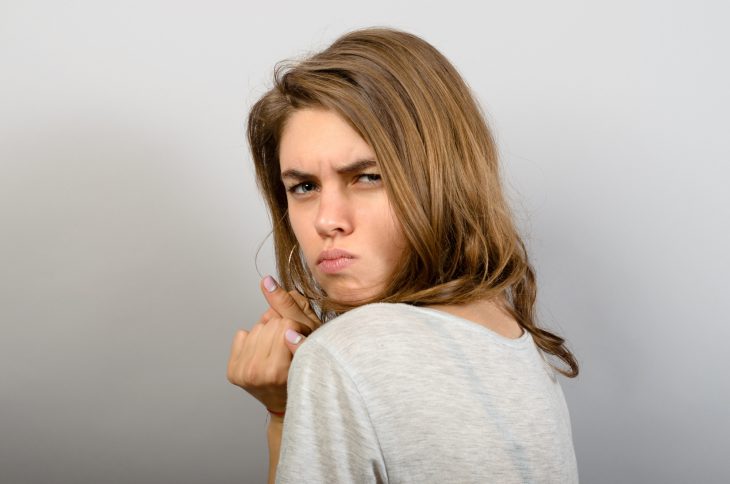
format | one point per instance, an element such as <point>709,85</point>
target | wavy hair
<point>440,170</point>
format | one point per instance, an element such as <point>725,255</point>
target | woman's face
<point>338,206</point>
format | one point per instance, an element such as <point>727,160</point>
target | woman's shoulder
<point>366,330</point>
<point>368,320</point>
<point>370,334</point>
<point>363,319</point>
<point>347,341</point>
<point>399,322</point>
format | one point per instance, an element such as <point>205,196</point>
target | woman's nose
<point>334,214</point>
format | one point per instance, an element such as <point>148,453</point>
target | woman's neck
<point>487,313</point>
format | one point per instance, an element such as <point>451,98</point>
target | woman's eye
<point>369,178</point>
<point>302,188</point>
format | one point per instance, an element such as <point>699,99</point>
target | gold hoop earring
<point>291,254</point>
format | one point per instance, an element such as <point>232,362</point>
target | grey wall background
<point>129,222</point>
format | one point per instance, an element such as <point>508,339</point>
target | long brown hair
<point>439,165</point>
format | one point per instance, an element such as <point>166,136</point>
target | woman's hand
<point>260,358</point>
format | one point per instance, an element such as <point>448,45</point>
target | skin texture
<point>334,209</point>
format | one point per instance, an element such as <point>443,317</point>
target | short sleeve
<point>328,435</point>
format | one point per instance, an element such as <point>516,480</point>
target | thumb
<point>283,303</point>
<point>304,305</point>
<point>293,340</point>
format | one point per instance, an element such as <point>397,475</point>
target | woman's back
<point>397,393</point>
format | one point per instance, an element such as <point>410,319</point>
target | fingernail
<point>269,283</point>
<point>293,337</point>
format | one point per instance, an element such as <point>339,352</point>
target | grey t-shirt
<point>395,393</point>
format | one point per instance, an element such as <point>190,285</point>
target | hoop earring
<point>291,254</point>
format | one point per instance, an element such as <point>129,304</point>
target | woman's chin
<point>350,296</point>
<point>346,298</point>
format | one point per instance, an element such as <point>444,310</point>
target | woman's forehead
<point>316,139</point>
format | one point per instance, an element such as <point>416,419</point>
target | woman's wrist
<point>276,422</point>
<point>274,431</point>
<point>274,412</point>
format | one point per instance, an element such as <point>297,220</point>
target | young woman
<point>389,218</point>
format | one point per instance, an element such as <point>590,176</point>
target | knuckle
<point>234,377</point>
<point>286,301</point>
<point>274,376</point>
<point>251,374</point>
<point>269,375</point>
<point>282,323</point>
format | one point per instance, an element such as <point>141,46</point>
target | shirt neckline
<point>515,342</point>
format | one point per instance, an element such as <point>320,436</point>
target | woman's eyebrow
<point>354,167</point>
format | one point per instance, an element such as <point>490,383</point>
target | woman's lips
<point>331,266</point>
<point>334,260</point>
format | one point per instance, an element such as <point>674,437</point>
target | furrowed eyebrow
<point>356,167</point>
<point>352,168</point>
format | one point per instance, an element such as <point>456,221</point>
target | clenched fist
<point>260,358</point>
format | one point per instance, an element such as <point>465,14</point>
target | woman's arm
<point>260,359</point>
<point>329,432</point>
<point>276,424</point>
